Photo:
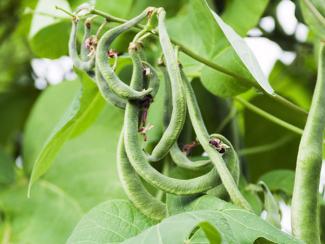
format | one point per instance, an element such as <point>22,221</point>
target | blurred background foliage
<point>83,173</point>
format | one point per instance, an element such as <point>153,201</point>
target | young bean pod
<point>305,200</point>
<point>117,86</point>
<point>134,188</point>
<point>138,158</point>
<point>73,51</point>
<point>139,161</point>
<point>230,157</point>
<point>182,161</point>
<point>152,75</point>
<point>204,139</point>
<point>178,114</point>
<point>84,51</point>
<point>107,93</point>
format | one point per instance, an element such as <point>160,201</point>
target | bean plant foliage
<point>170,132</point>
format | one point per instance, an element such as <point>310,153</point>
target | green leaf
<point>221,84</point>
<point>48,217</point>
<point>206,38</point>
<point>7,173</point>
<point>251,196</point>
<point>252,10</point>
<point>110,222</point>
<point>314,14</point>
<point>49,32</point>
<point>81,113</point>
<point>267,145</point>
<point>234,225</point>
<point>15,105</point>
<point>279,180</point>
<point>85,167</point>
<point>114,7</point>
<point>245,54</point>
<point>271,206</point>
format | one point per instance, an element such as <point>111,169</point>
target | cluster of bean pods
<point>134,163</point>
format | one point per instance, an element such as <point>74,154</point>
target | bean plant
<point>162,138</point>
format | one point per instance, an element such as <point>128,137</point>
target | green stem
<point>305,202</point>
<point>268,116</point>
<point>266,147</point>
<point>65,11</point>
<point>205,61</point>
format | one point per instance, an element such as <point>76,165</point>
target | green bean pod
<point>131,182</point>
<point>178,113</point>
<point>305,199</point>
<point>107,93</point>
<point>230,157</point>
<point>73,50</point>
<point>154,81</point>
<point>134,188</point>
<point>139,161</point>
<point>204,139</point>
<point>178,157</point>
<point>83,48</point>
<point>182,161</point>
<point>117,86</point>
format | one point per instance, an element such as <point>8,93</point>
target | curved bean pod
<point>182,161</point>
<point>83,49</point>
<point>73,51</point>
<point>117,86</point>
<point>140,163</point>
<point>203,137</point>
<point>178,114</point>
<point>179,158</point>
<point>231,159</point>
<point>154,81</point>
<point>134,188</point>
<point>107,93</point>
<point>305,199</point>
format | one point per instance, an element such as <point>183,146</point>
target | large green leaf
<point>48,217</point>
<point>268,146</point>
<point>7,173</point>
<point>85,167</point>
<point>15,105</point>
<point>110,222</point>
<point>49,31</point>
<point>314,14</point>
<point>81,113</point>
<point>271,206</point>
<point>114,7</point>
<point>205,37</point>
<point>233,224</point>
<point>245,54</point>
<point>280,180</point>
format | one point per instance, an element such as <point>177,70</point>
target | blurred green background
<point>37,84</point>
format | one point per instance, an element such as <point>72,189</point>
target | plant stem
<point>205,61</point>
<point>305,202</point>
<point>268,116</point>
<point>264,148</point>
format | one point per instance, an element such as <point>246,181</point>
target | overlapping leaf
<point>49,31</point>
<point>314,14</point>
<point>110,222</point>
<point>212,39</point>
<point>48,217</point>
<point>81,113</point>
<point>227,223</point>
